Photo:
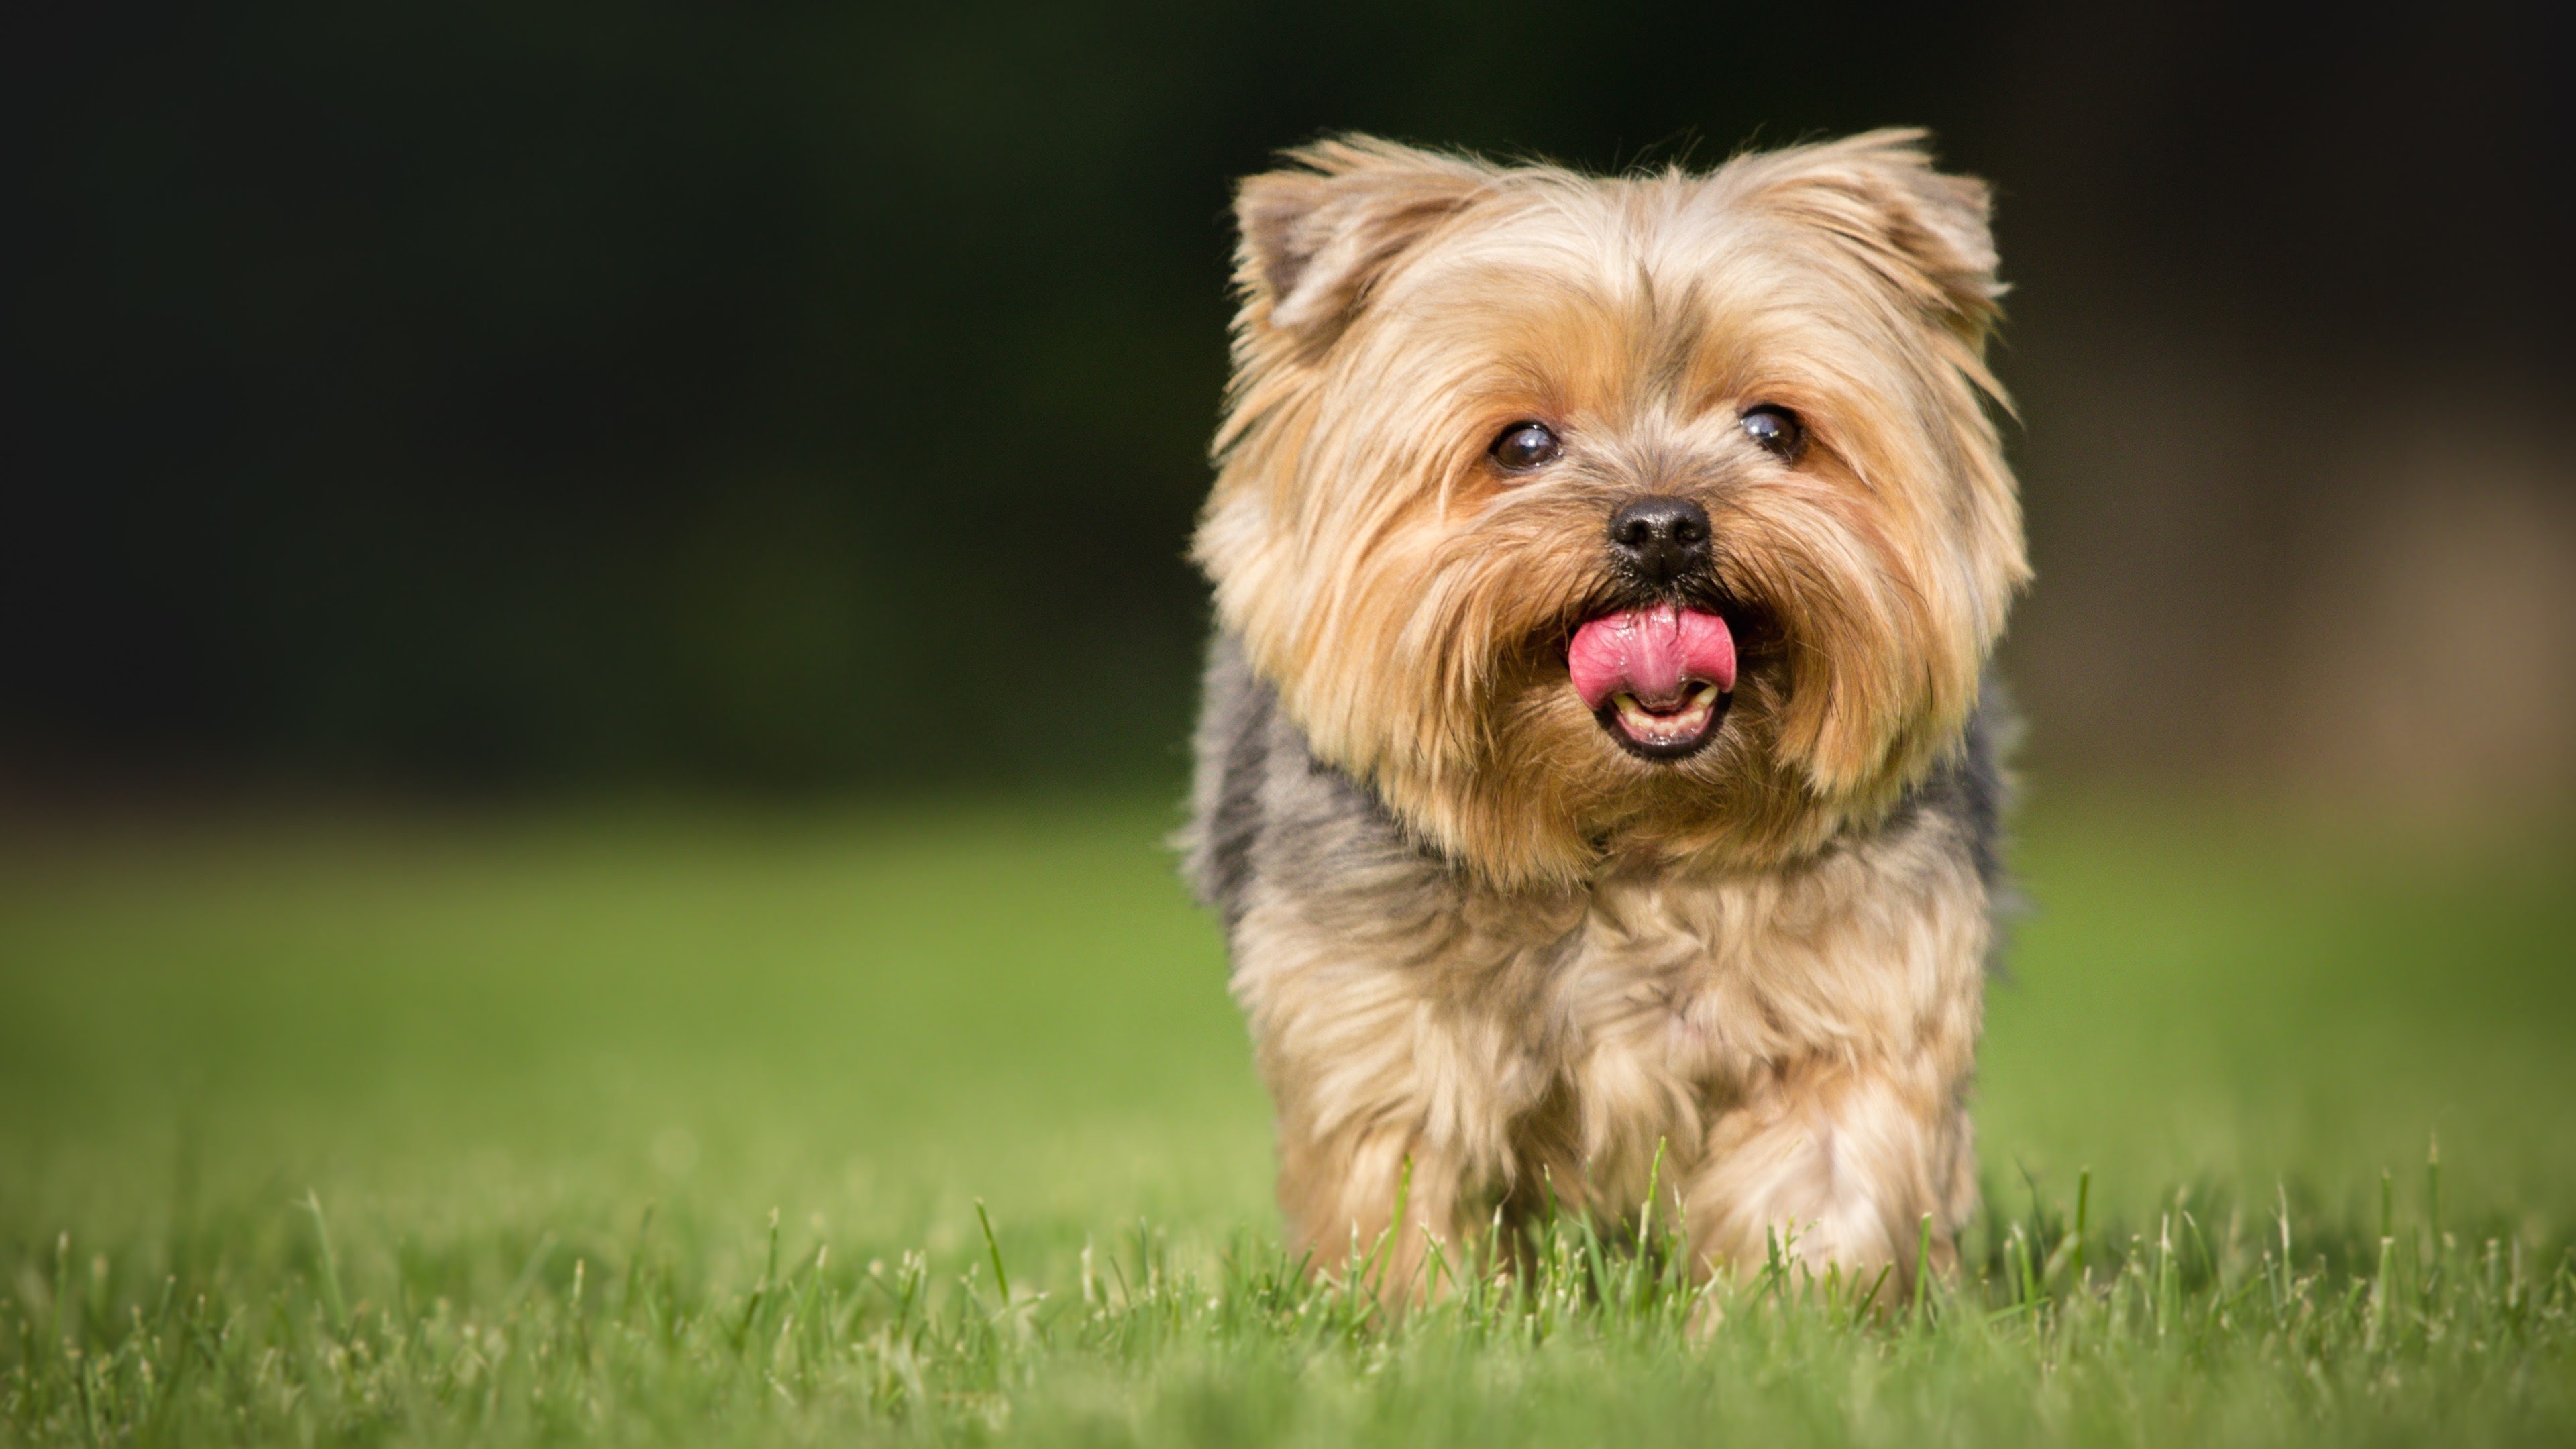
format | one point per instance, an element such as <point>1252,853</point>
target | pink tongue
<point>1653,654</point>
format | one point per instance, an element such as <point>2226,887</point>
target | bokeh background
<point>592,606</point>
<point>813,398</point>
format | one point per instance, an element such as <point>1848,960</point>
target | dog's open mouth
<point>1658,679</point>
<point>1670,732</point>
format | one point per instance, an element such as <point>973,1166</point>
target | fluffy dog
<point>1593,761</point>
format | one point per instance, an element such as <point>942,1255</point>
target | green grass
<point>673,1127</point>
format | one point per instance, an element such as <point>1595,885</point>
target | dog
<point>1597,774</point>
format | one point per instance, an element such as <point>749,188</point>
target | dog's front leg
<point>1340,1192</point>
<point>1388,1101</point>
<point>1839,1164</point>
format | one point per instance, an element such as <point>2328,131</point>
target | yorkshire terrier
<point>1597,775</point>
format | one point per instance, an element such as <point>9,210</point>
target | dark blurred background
<point>565,397</point>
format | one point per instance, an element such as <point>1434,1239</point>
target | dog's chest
<point>1660,985</point>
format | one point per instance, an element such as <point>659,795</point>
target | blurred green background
<point>510,509</point>
<point>544,1023</point>
<point>502,396</point>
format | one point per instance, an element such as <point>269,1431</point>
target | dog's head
<point>1585,515</point>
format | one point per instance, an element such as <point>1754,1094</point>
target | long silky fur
<point>1470,932</point>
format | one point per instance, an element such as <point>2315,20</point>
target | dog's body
<point>1520,891</point>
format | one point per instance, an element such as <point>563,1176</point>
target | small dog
<point>1596,765</point>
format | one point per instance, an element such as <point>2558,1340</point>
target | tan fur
<point>1748,956</point>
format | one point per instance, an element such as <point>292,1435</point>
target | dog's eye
<point>1776,429</point>
<point>1526,445</point>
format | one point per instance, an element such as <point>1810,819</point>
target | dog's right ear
<point>1317,235</point>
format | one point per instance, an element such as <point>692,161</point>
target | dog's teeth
<point>1687,720</point>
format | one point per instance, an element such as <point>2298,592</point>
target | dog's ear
<point>1925,232</point>
<point>1317,234</point>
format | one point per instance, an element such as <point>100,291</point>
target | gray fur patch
<point>1971,794</point>
<point>1268,817</point>
<point>1236,714</point>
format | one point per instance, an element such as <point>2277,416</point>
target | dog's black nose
<point>1661,537</point>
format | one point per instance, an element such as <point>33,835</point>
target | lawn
<point>687,1126</point>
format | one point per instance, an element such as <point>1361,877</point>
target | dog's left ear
<point>1927,233</point>
<point>1317,235</point>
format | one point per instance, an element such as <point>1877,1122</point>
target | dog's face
<point>1583,516</point>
